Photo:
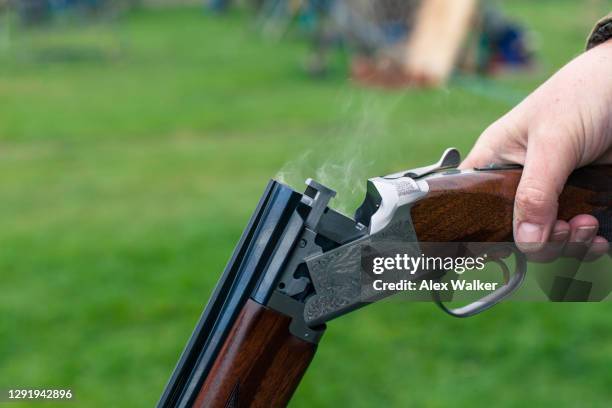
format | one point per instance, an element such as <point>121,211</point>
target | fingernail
<point>560,236</point>
<point>585,234</point>
<point>529,233</point>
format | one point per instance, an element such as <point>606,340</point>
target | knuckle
<point>534,200</point>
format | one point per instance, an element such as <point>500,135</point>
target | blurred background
<point>136,138</point>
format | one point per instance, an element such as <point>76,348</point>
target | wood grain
<point>477,206</point>
<point>260,365</point>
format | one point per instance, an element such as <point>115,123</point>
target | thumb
<point>536,203</point>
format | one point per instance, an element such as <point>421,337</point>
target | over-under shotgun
<point>298,265</point>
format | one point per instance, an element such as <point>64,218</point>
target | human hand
<point>564,124</point>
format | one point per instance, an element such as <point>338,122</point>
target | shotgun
<point>299,264</point>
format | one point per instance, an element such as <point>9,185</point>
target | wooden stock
<point>477,206</point>
<point>260,364</point>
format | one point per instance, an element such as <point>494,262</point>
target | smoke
<point>292,172</point>
<point>347,156</point>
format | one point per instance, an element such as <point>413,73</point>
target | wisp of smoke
<point>345,160</point>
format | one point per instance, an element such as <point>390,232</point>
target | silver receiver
<point>394,194</point>
<point>338,277</point>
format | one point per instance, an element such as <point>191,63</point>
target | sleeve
<point>601,33</point>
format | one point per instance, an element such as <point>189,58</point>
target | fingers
<point>554,249</point>
<point>480,156</point>
<point>560,232</point>
<point>584,230</point>
<point>536,201</point>
<point>576,239</point>
<point>599,247</point>
<point>584,243</point>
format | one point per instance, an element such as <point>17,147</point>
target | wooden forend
<point>260,365</point>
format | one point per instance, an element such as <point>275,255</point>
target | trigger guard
<point>494,297</point>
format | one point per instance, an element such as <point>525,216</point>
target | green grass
<point>131,157</point>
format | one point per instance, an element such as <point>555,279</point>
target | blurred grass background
<point>132,155</point>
